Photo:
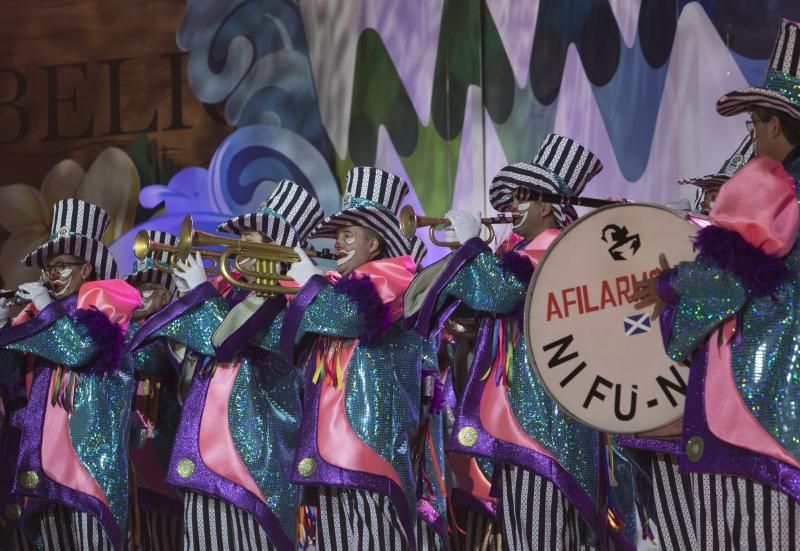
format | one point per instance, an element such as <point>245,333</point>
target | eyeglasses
<point>59,266</point>
<point>751,125</point>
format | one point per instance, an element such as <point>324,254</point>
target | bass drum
<point>602,360</point>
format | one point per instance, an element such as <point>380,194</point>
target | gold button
<point>29,480</point>
<point>307,467</point>
<point>467,436</point>
<point>185,468</point>
<point>694,448</point>
<point>13,511</point>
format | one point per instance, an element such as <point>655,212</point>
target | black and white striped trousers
<point>161,532</point>
<point>427,538</point>
<point>211,524</point>
<point>675,505</point>
<point>481,532</point>
<point>60,528</point>
<point>536,516</point>
<point>354,520</point>
<point>739,514</point>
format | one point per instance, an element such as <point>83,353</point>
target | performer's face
<point>532,217</point>
<point>65,274</point>
<point>154,298</point>
<point>709,196</point>
<point>355,246</point>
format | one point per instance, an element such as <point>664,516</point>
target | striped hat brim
<point>381,222</point>
<point>151,275</point>
<point>707,181</point>
<point>277,229</point>
<point>91,250</point>
<point>745,99</point>
<point>505,184</point>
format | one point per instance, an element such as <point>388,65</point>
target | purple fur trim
<point>760,273</point>
<point>517,265</point>
<point>370,305</point>
<point>106,335</point>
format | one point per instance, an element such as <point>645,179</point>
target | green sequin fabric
<point>195,327</point>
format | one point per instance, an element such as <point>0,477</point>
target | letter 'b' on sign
<point>601,359</point>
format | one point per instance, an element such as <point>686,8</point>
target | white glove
<point>35,292</point>
<point>189,274</point>
<point>5,312</point>
<point>465,225</point>
<point>304,270</point>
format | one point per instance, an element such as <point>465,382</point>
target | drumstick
<point>560,199</point>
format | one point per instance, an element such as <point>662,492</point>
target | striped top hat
<point>418,250</point>
<point>76,229</point>
<point>286,217</point>
<point>781,90</point>
<point>740,157</point>
<point>371,200</point>
<point>561,166</point>
<point>145,271</point>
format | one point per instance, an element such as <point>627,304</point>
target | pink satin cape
<point>337,443</point>
<point>117,300</point>
<point>729,419</point>
<point>496,415</point>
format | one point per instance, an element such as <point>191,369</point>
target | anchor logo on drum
<point>619,238</point>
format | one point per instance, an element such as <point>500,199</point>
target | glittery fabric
<point>572,443</point>
<point>195,327</point>
<point>382,400</point>
<point>707,297</point>
<point>264,418</point>
<point>764,353</point>
<point>64,342</point>
<point>269,338</point>
<point>786,85</point>
<point>434,456</point>
<point>485,287</point>
<point>98,429</point>
<point>335,314</point>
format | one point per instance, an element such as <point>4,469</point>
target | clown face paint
<point>355,246</point>
<point>522,211</point>
<point>154,298</point>
<point>65,275</point>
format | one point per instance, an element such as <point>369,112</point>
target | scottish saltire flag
<point>637,324</point>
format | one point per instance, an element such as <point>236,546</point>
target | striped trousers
<point>739,514</point>
<point>161,532</point>
<point>353,520</point>
<point>481,532</point>
<point>536,516</point>
<point>675,512</point>
<point>211,524</point>
<point>427,538</point>
<point>60,528</point>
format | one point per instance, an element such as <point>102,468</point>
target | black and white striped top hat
<point>286,217</point>
<point>562,166</point>
<point>76,229</point>
<point>371,200</point>
<point>740,157</point>
<point>145,271</point>
<point>781,90</point>
<point>418,249</point>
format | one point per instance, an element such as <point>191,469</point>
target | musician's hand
<point>304,270</point>
<point>5,312</point>
<point>189,274</point>
<point>646,294</point>
<point>465,225</point>
<point>35,292</point>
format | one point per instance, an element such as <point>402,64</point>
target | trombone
<point>410,221</point>
<point>267,256</point>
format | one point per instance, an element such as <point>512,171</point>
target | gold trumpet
<point>266,256</point>
<point>410,221</point>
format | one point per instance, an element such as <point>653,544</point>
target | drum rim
<point>529,299</point>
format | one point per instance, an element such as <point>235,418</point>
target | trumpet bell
<point>141,245</point>
<point>408,221</point>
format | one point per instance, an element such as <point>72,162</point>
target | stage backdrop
<point>155,109</point>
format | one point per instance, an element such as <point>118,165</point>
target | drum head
<point>602,360</point>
